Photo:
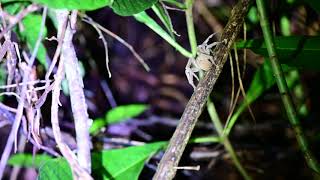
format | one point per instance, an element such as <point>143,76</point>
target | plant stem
<point>190,27</point>
<point>283,88</point>
<point>224,139</point>
<point>166,169</point>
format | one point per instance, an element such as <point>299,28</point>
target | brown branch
<point>170,160</point>
<point>78,104</point>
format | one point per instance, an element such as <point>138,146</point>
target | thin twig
<point>104,41</point>
<point>28,83</point>
<point>64,149</point>
<point>122,41</point>
<point>195,106</point>
<point>15,127</point>
<point>241,84</point>
<point>232,102</point>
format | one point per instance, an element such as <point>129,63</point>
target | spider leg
<point>207,40</point>
<point>190,71</point>
<point>190,74</point>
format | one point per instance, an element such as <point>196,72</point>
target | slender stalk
<point>190,27</point>
<point>283,88</point>
<point>225,140</point>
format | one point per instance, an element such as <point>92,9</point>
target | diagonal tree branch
<point>169,162</point>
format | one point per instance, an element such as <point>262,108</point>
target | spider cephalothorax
<point>202,62</point>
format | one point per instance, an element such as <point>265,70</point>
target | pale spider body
<point>202,62</point>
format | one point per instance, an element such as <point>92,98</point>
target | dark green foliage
<point>301,52</point>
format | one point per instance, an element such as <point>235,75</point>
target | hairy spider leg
<point>191,70</point>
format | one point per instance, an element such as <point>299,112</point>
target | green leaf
<point>13,8</point>
<point>55,169</point>
<point>123,164</point>
<point>143,17</point>
<point>163,15</point>
<point>116,115</point>
<point>131,7</point>
<point>295,51</point>
<point>28,160</point>
<point>125,112</point>
<point>75,4</point>
<point>30,33</point>
<point>97,125</point>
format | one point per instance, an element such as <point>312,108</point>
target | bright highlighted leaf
<point>296,51</point>
<point>27,160</point>
<point>55,169</point>
<point>123,164</point>
<point>124,112</point>
<point>116,115</point>
<point>97,125</point>
<point>75,4</point>
<point>131,7</point>
<point>30,33</point>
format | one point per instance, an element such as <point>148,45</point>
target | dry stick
<point>104,41</point>
<point>75,83</point>
<point>15,127</point>
<point>78,172</point>
<point>64,149</point>
<point>241,85</point>
<point>232,102</point>
<point>23,13</point>
<point>166,169</point>
<point>136,55</point>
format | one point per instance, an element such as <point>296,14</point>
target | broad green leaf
<point>131,7</point>
<point>30,33</point>
<point>75,4</point>
<point>143,17</point>
<point>295,51</point>
<point>164,16</point>
<point>123,164</point>
<point>55,169</point>
<point>116,115</point>
<point>28,160</point>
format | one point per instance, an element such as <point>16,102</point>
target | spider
<point>202,62</point>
